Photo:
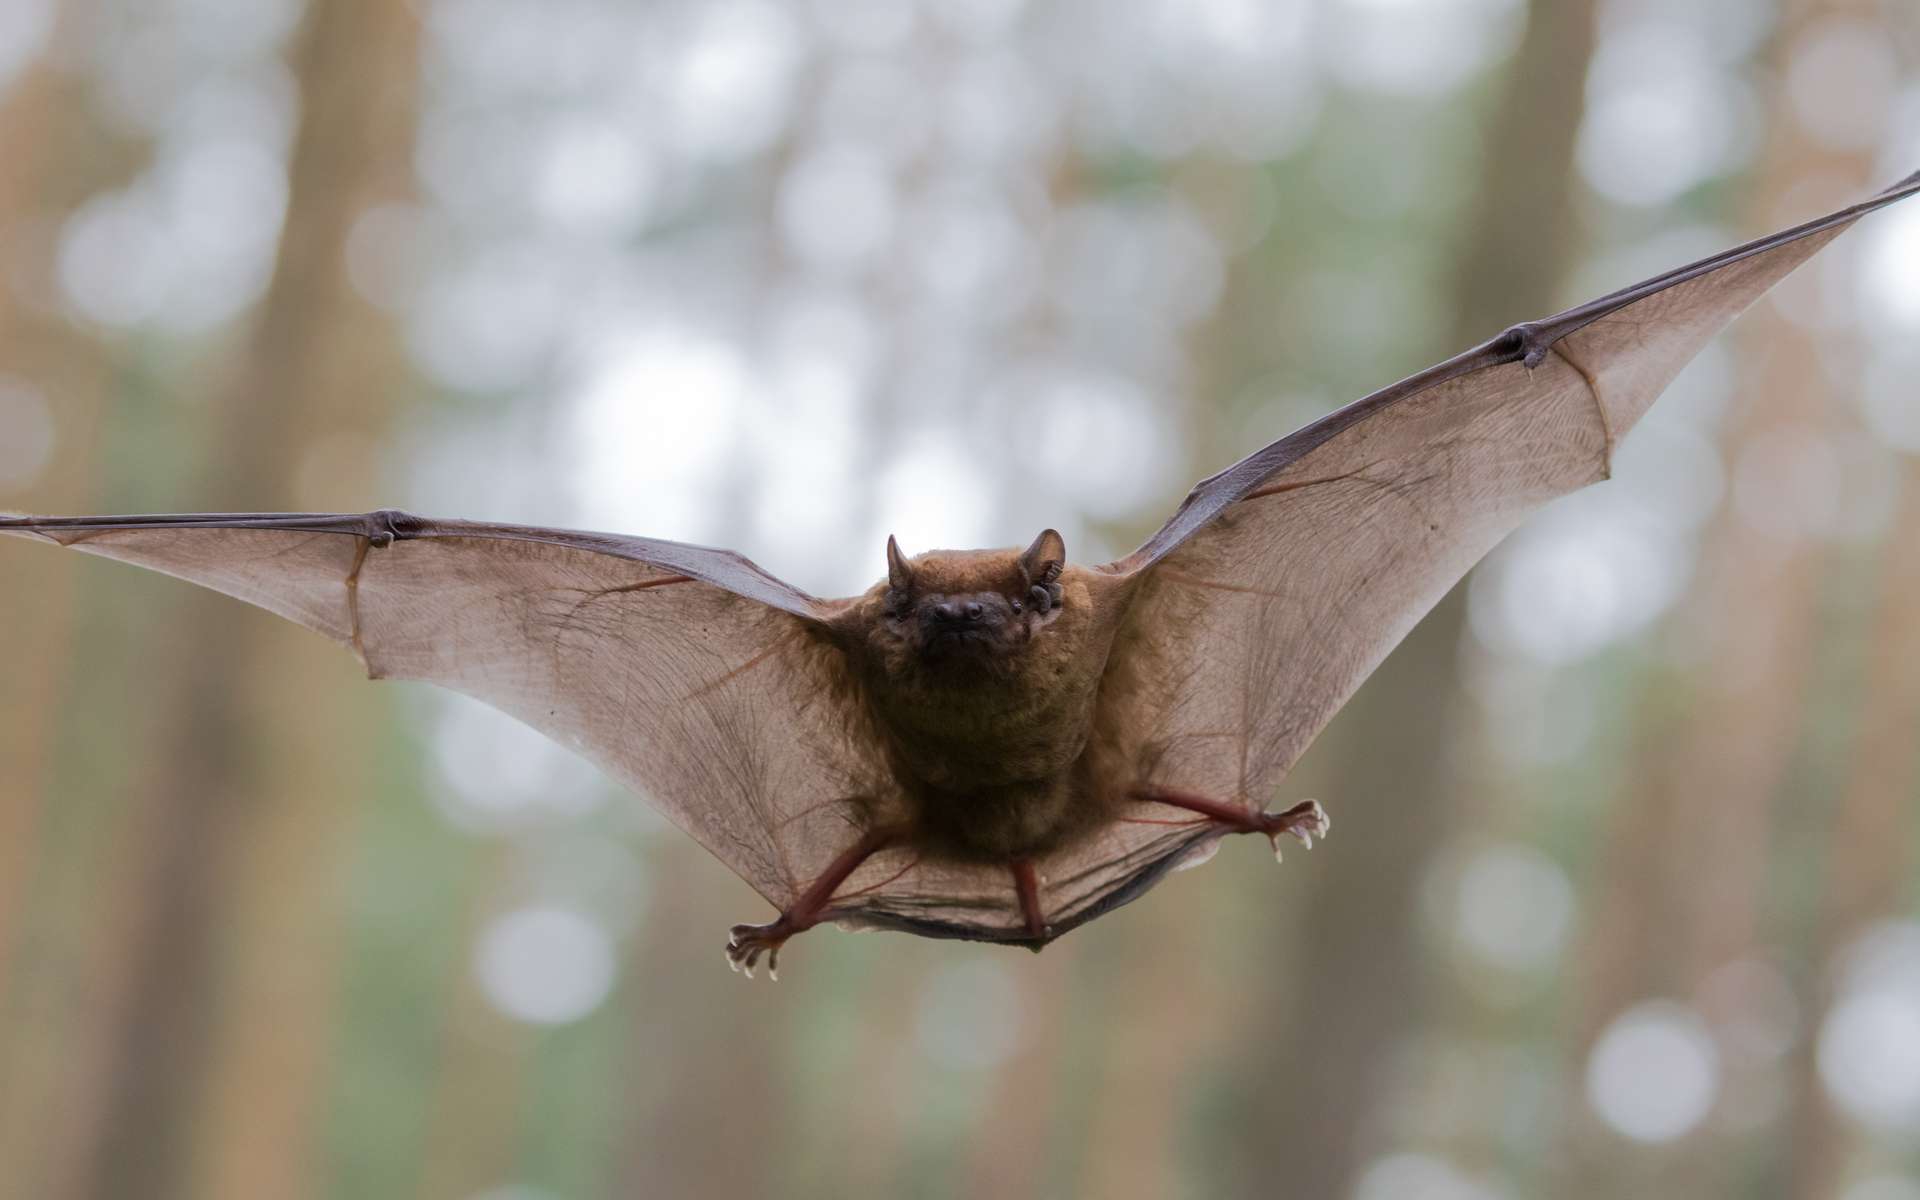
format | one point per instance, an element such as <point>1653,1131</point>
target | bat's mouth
<point>942,642</point>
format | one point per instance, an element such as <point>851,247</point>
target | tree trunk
<point>1690,884</point>
<point>45,114</point>
<point>1358,983</point>
<point>230,888</point>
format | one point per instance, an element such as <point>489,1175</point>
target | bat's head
<point>968,608</point>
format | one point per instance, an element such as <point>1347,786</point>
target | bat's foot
<point>747,943</point>
<point>1306,821</point>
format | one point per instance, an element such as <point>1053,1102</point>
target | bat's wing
<point>689,674</point>
<point>1282,582</point>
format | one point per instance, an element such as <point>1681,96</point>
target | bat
<point>998,745</point>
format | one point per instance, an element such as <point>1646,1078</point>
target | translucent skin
<point>1014,774</point>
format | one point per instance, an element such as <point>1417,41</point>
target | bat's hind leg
<point>1306,820</point>
<point>746,943</point>
<point>1026,882</point>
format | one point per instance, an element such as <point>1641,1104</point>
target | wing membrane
<point>1281,583</point>
<point>688,674</point>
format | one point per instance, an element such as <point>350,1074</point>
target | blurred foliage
<point>1620,900</point>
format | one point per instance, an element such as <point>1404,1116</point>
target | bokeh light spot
<point>24,25</point>
<point>112,261</point>
<point>594,179</point>
<point>1870,1057</point>
<point>1418,48</point>
<point>499,772</point>
<point>932,495</point>
<point>1097,438</point>
<point>1654,1073</point>
<point>731,77</point>
<point>655,414</point>
<point>1890,254</point>
<point>1574,581</point>
<point>1841,77</point>
<point>545,965</point>
<point>1420,1177</point>
<point>489,324</point>
<point>1869,1047</point>
<point>1514,908</point>
<point>836,206</point>
<point>1662,114</point>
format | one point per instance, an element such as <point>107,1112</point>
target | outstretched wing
<point>689,674</point>
<point>1282,582</point>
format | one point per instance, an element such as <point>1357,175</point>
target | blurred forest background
<point>1620,899</point>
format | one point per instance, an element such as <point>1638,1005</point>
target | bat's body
<point>995,745</point>
<point>982,671</point>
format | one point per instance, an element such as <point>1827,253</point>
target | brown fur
<point>987,744</point>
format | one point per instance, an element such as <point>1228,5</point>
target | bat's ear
<point>1045,559</point>
<point>899,572</point>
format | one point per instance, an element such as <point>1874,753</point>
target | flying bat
<point>998,745</point>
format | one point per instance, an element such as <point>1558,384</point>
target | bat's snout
<point>960,613</point>
<point>965,622</point>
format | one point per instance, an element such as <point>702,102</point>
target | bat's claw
<point>1306,821</point>
<point>747,943</point>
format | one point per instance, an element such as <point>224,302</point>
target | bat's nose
<point>972,612</point>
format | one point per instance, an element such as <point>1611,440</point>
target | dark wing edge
<point>1528,342</point>
<point>722,568</point>
<point>1145,870</point>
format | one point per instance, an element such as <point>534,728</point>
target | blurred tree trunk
<point>1358,979</point>
<point>32,123</point>
<point>475,1116</point>
<point>1868,852</point>
<point>1687,859</point>
<point>1153,1025</point>
<point>45,114</point>
<point>231,886</point>
<point>1010,1148</point>
<point>1868,859</point>
<point>857,1143</point>
<point>322,378</point>
<point>703,1057</point>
